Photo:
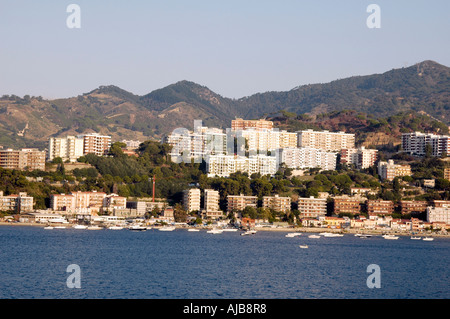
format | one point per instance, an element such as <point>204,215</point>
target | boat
<point>48,227</point>
<point>215,231</point>
<point>115,227</point>
<point>313,236</point>
<point>94,227</point>
<point>290,235</point>
<point>167,228</point>
<point>60,227</point>
<point>303,246</point>
<point>248,232</point>
<point>332,235</point>
<point>193,229</point>
<point>137,228</point>
<point>416,238</point>
<point>428,239</point>
<point>364,236</point>
<point>79,227</point>
<point>390,237</point>
<point>229,229</point>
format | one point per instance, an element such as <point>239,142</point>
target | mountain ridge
<point>109,109</point>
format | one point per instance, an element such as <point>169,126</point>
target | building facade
<point>416,143</point>
<point>277,203</point>
<point>312,207</point>
<point>191,200</point>
<point>24,159</point>
<point>307,157</point>
<point>325,140</point>
<point>389,170</point>
<point>239,202</point>
<point>360,157</point>
<point>224,165</point>
<point>68,148</point>
<point>380,207</point>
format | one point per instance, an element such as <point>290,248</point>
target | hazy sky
<point>235,48</point>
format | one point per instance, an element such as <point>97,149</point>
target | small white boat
<point>416,238</point>
<point>229,229</point>
<point>79,227</point>
<point>167,228</point>
<point>60,227</point>
<point>115,227</point>
<point>303,246</point>
<point>248,232</point>
<point>291,235</point>
<point>428,239</point>
<point>332,235</point>
<point>390,237</point>
<point>215,231</point>
<point>193,229</point>
<point>364,236</point>
<point>48,227</point>
<point>94,227</point>
<point>313,236</point>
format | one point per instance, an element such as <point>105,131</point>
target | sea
<point>38,263</point>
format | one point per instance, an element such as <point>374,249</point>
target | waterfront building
<point>413,206</point>
<point>389,170</point>
<point>360,157</point>
<point>312,207</point>
<point>20,203</point>
<point>380,207</point>
<point>112,202</point>
<point>24,159</point>
<point>191,200</point>
<point>239,202</point>
<point>211,204</point>
<point>325,140</point>
<point>68,148</point>
<point>277,203</point>
<point>307,157</point>
<point>347,205</point>
<point>78,202</point>
<point>438,214</point>
<point>416,143</point>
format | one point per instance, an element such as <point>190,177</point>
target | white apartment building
<point>268,140</point>
<point>360,157</point>
<point>415,143</point>
<point>68,148</point>
<point>16,203</point>
<point>211,204</point>
<point>224,165</point>
<point>191,200</point>
<point>78,202</point>
<point>438,214</point>
<point>325,140</point>
<point>277,203</point>
<point>306,157</point>
<point>196,145</point>
<point>95,143</point>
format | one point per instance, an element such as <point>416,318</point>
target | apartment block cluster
<point>261,148</point>
<point>68,148</point>
<point>416,144</point>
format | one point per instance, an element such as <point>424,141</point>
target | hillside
<point>30,121</point>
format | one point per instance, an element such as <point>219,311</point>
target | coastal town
<point>318,163</point>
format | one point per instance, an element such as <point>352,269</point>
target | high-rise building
<point>95,143</point>
<point>191,200</point>
<point>325,140</point>
<point>68,148</point>
<point>224,165</point>
<point>307,157</point>
<point>360,157</point>
<point>211,204</point>
<point>20,203</point>
<point>380,207</point>
<point>438,214</point>
<point>26,158</point>
<point>416,143</point>
<point>261,124</point>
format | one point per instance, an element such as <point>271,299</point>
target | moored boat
<point>313,236</point>
<point>428,239</point>
<point>303,246</point>
<point>390,237</point>
<point>167,228</point>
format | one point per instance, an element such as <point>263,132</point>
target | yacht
<point>248,232</point>
<point>193,229</point>
<point>390,237</point>
<point>215,231</point>
<point>48,227</point>
<point>332,235</point>
<point>428,239</point>
<point>313,236</point>
<point>416,238</point>
<point>60,227</point>
<point>303,246</point>
<point>167,228</point>
<point>290,235</point>
<point>137,228</point>
<point>115,227</point>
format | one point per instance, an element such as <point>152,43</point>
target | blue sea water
<point>123,264</point>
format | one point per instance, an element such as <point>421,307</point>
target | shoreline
<point>287,230</point>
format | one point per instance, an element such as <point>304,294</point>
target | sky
<point>235,48</point>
